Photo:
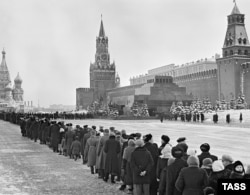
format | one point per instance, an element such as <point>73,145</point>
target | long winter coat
<point>84,142</point>
<point>192,181</point>
<point>55,135</point>
<point>83,131</point>
<point>141,160</point>
<point>69,137</point>
<point>172,174</point>
<point>76,147</point>
<point>34,129</point>
<point>112,148</point>
<point>100,152</point>
<point>153,149</point>
<point>126,165</point>
<point>90,148</point>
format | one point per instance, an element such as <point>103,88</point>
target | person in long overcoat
<point>126,164</point>
<point>192,179</point>
<point>34,129</point>
<point>153,149</point>
<point>55,133</point>
<point>112,148</point>
<point>90,148</point>
<point>76,148</point>
<point>101,154</point>
<point>141,166</point>
<point>173,171</point>
<point>83,131</point>
<point>84,142</point>
<point>69,137</point>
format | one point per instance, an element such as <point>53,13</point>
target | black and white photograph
<point>140,97</point>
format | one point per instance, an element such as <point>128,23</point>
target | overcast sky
<point>52,42</point>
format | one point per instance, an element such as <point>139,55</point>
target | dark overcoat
<point>69,137</point>
<point>192,181</point>
<point>172,174</point>
<point>55,133</point>
<point>112,148</point>
<point>101,155</point>
<point>34,129</point>
<point>141,160</point>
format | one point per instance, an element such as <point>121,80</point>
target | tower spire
<point>235,9</point>
<point>101,32</point>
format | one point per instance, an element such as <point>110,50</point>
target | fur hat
<point>138,135</point>
<point>238,167</point>
<point>193,161</point>
<point>94,127</point>
<point>205,147</point>
<point>207,163</point>
<point>165,138</point>
<point>217,166</point>
<point>85,126</point>
<point>181,139</point>
<point>139,143</point>
<point>147,137</point>
<point>226,157</point>
<point>177,152</point>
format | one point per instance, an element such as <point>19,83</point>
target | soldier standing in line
<point>202,117</point>
<point>228,118</point>
<point>241,118</point>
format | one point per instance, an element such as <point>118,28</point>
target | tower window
<point>231,52</point>
<point>246,52</point>
<point>239,52</point>
<point>240,40</point>
<point>245,41</point>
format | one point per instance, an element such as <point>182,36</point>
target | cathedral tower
<point>4,76</point>
<point>236,52</point>
<point>102,72</point>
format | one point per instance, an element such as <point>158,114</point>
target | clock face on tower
<point>104,57</point>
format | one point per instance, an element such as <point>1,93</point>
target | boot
<point>112,179</point>
<point>92,169</point>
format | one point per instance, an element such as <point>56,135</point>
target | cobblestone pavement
<point>27,168</point>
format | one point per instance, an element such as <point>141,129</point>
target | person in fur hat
<point>76,148</point>
<point>238,170</point>
<point>205,148</point>
<point>165,154</point>
<point>173,171</point>
<point>192,179</point>
<point>153,149</point>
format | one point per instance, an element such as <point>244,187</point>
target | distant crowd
<point>134,160</point>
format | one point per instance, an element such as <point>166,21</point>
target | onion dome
<point>18,79</point>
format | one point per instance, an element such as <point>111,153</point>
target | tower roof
<point>3,66</point>
<point>18,78</point>
<point>101,32</point>
<point>235,9</point>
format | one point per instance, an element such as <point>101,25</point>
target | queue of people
<point>134,160</point>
